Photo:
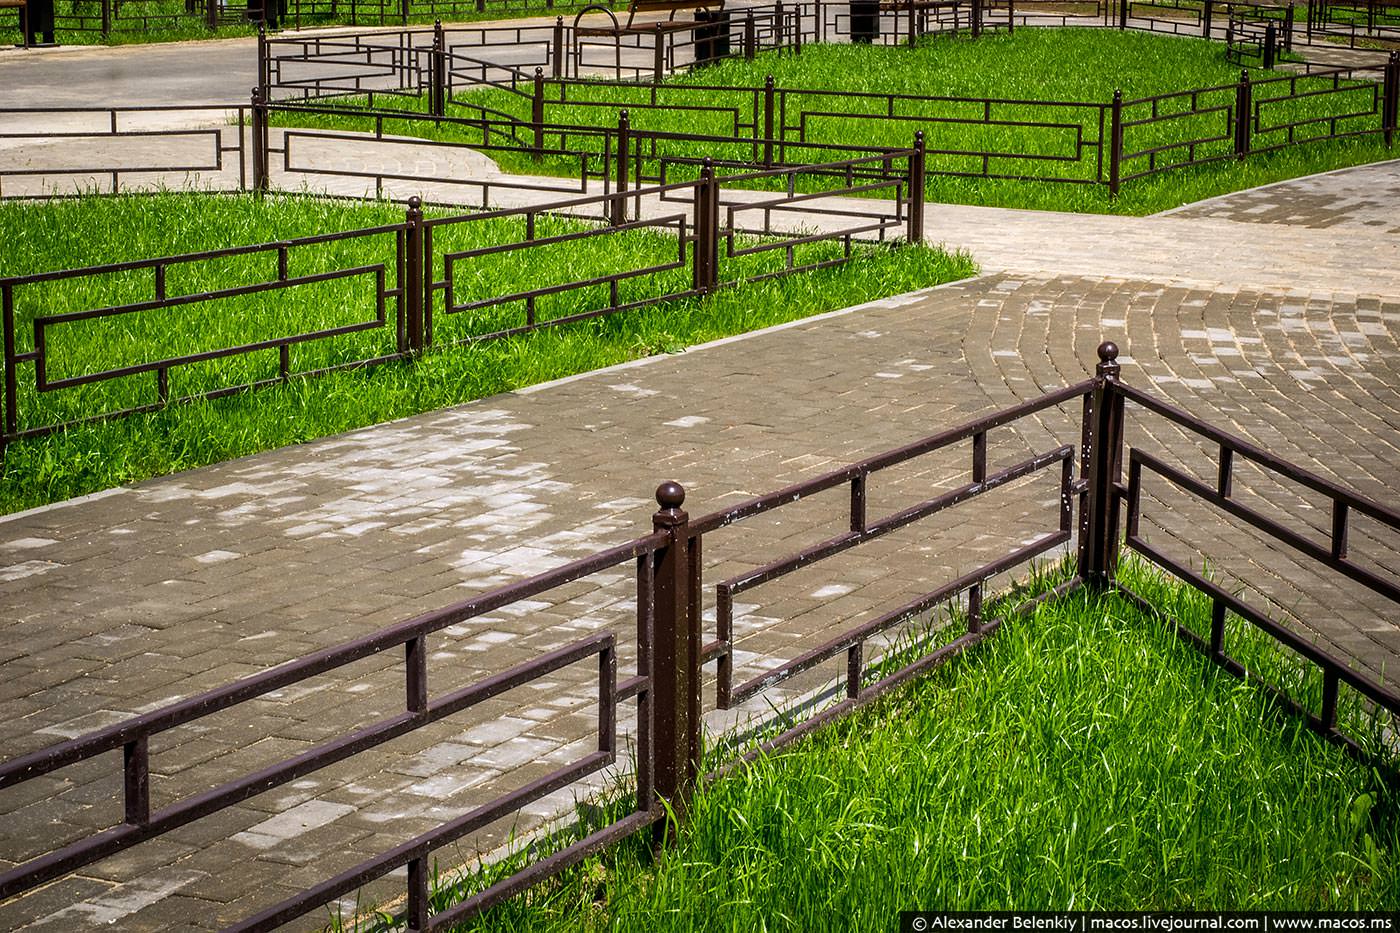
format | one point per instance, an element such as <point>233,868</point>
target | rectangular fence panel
<point>165,336</point>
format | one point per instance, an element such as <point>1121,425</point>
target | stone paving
<point>1275,311</point>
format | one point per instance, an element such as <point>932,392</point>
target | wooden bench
<point>671,7</point>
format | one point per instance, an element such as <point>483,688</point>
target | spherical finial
<point>670,495</point>
<point>1108,351</point>
<point>415,202</point>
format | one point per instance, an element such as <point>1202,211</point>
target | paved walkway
<point>1276,311</point>
<point>118,604</point>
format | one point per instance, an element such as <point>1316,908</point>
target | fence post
<point>1122,14</point>
<point>1270,40</point>
<point>675,678</point>
<point>705,256</point>
<point>106,18</point>
<point>750,38</point>
<point>1244,104</point>
<point>537,111</point>
<point>264,63</point>
<point>558,65</point>
<point>7,311</point>
<point>916,191</point>
<point>259,141</point>
<point>1390,105</point>
<point>437,95</point>
<point>1205,19</point>
<point>624,144</point>
<point>1115,144</point>
<point>1011,17</point>
<point>1098,527</point>
<point>1288,21</point>
<point>768,95</point>
<point>658,61</point>
<point>976,15</point>
<point>211,14</point>
<point>413,275</point>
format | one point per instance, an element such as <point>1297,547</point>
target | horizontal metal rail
<point>1333,555</point>
<point>1239,446</point>
<point>95,743</point>
<point>805,488</point>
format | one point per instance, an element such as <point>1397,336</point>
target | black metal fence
<point>120,148</point>
<point>578,124</point>
<point>1355,23</point>
<point>1171,131</point>
<point>1365,24</point>
<point>415,288</point>
<point>1076,142</point>
<point>1094,503</point>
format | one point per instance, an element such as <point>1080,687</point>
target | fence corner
<point>1103,454</point>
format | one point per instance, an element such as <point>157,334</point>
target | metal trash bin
<point>865,20</point>
<point>711,39</point>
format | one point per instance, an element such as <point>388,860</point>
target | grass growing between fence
<point>97,456</point>
<point>1064,68</point>
<point>1083,758</point>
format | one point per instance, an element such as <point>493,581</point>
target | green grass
<point>1053,65</point>
<point>77,232</point>
<point>1083,758</point>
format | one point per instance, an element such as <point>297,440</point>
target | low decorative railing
<point>412,296</point>
<point>1094,504</point>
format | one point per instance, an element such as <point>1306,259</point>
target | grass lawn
<point>74,233</point>
<point>1069,66</point>
<point>1081,759</point>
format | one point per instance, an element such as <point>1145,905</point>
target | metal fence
<point>410,286</point>
<point>1076,142</point>
<point>1372,24</point>
<point>576,124</point>
<point>1166,132</point>
<point>1258,33</point>
<point>119,148</point>
<point>1355,23</point>
<point>1094,503</point>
